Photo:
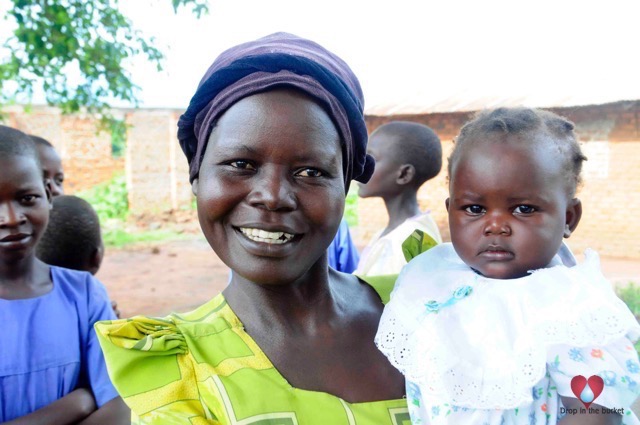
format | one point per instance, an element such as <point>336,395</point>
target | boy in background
<point>407,155</point>
<point>72,239</point>
<point>51,165</point>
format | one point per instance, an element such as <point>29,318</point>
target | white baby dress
<point>482,351</point>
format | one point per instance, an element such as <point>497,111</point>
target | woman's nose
<point>273,191</point>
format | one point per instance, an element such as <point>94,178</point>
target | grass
<point>112,206</point>
<point>351,206</point>
<point>118,238</point>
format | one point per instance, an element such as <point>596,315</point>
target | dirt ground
<point>155,279</point>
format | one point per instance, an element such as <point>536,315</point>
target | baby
<point>493,328</point>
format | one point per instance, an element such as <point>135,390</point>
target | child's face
<point>270,190</point>
<point>24,206</point>
<point>52,169</point>
<point>509,206</point>
<point>381,147</point>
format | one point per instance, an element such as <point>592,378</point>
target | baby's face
<point>509,206</point>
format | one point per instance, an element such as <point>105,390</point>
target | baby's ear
<point>572,217</point>
<point>194,187</point>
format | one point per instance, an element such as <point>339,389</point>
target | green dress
<point>203,368</point>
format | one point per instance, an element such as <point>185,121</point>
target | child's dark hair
<point>14,142</point>
<point>73,234</point>
<point>520,121</point>
<point>417,145</point>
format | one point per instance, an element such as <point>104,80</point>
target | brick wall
<point>610,194</point>
<point>157,172</point>
<point>86,154</point>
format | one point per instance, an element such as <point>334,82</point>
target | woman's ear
<point>194,187</point>
<point>572,217</point>
<point>406,173</point>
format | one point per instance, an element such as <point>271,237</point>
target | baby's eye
<point>474,209</point>
<point>242,164</point>
<point>59,180</point>
<point>524,209</point>
<point>309,172</point>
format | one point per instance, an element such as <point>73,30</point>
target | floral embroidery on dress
<point>575,354</point>
<point>631,384</point>
<point>633,366</point>
<point>597,353</point>
<point>609,377</point>
<point>433,306</point>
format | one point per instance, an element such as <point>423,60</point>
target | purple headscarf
<point>278,60</point>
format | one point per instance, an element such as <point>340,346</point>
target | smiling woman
<point>274,135</point>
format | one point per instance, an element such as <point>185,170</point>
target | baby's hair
<point>418,145</point>
<point>14,142</point>
<point>41,141</point>
<point>522,121</point>
<point>73,234</point>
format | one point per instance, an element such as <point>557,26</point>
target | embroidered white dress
<point>476,350</point>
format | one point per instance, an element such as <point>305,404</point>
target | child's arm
<point>70,409</point>
<point>587,418</point>
<point>115,412</point>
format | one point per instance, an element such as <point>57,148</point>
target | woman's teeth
<point>260,235</point>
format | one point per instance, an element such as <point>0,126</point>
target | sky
<point>410,53</point>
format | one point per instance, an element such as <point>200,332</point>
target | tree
<point>90,39</point>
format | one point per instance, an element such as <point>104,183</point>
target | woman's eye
<point>242,165</point>
<point>524,209</point>
<point>310,172</point>
<point>474,209</point>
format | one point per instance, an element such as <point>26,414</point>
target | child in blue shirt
<point>51,367</point>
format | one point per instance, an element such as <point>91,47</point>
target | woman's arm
<point>69,409</point>
<point>115,412</point>
<point>587,418</point>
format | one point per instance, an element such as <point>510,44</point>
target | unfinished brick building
<point>158,179</point>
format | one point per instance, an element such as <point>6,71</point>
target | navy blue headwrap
<point>279,60</point>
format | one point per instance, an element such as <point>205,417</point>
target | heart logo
<point>587,390</point>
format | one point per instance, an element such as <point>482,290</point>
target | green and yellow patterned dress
<point>203,368</point>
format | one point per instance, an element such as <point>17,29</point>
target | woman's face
<point>270,190</point>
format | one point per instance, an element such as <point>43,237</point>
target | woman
<point>274,135</point>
